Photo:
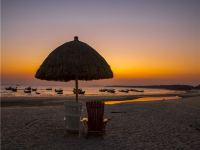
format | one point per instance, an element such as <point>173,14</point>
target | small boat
<point>80,91</point>
<point>103,90</point>
<point>58,90</point>
<point>8,88</point>
<point>28,88</point>
<point>48,89</point>
<point>37,92</point>
<point>61,92</point>
<point>14,89</point>
<point>125,91</point>
<point>34,89</point>
<point>27,91</point>
<point>107,90</point>
<point>111,90</point>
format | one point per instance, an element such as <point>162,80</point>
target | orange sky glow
<point>148,45</point>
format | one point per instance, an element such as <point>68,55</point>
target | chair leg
<point>65,133</point>
<point>86,135</point>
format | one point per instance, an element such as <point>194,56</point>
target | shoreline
<point>59,100</point>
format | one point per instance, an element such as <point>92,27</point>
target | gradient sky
<point>144,41</point>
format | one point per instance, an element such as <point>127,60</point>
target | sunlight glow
<point>136,42</point>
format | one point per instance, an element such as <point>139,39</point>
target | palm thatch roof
<point>74,60</point>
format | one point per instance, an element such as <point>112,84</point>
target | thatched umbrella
<point>74,60</point>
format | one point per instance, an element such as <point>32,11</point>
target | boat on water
<point>107,90</point>
<point>58,90</point>
<point>34,89</point>
<point>111,90</point>
<point>14,89</point>
<point>48,89</point>
<point>28,88</point>
<point>61,92</point>
<point>125,91</point>
<point>8,88</point>
<point>103,90</point>
<point>80,91</point>
<point>27,91</point>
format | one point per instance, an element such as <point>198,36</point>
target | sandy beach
<point>168,124</point>
<point>59,100</point>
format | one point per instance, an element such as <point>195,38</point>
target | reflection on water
<point>143,99</point>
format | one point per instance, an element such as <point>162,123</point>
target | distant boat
<point>80,91</point>
<point>8,88</point>
<point>14,89</point>
<point>111,90</point>
<point>102,90</point>
<point>48,89</point>
<point>37,92</point>
<point>107,90</point>
<point>34,89</point>
<point>27,91</point>
<point>125,91</point>
<point>58,90</point>
<point>28,88</point>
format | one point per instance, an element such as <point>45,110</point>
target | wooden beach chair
<point>95,123</point>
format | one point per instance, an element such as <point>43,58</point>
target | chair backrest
<point>95,110</point>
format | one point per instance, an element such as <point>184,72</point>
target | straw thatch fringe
<point>74,60</point>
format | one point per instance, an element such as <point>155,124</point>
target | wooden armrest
<point>106,120</point>
<point>84,119</point>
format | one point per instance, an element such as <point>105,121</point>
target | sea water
<point>89,90</point>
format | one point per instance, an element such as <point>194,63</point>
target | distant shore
<point>168,87</point>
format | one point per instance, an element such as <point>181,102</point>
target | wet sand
<point>59,100</point>
<point>167,124</point>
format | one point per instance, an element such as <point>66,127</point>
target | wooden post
<point>76,90</point>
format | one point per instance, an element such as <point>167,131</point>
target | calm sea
<point>68,91</point>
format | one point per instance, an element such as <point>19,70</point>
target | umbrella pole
<point>76,90</point>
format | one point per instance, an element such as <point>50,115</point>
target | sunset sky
<point>144,41</point>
